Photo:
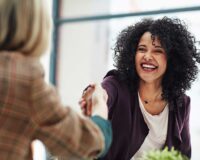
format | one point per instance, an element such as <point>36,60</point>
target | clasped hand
<point>94,101</point>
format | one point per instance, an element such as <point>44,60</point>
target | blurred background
<point>84,34</point>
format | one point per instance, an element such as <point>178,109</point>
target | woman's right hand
<point>94,101</point>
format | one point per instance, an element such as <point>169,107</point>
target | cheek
<point>163,63</point>
<point>137,59</point>
<point>137,62</point>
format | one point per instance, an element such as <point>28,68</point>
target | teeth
<point>148,66</point>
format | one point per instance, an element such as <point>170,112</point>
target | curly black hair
<point>178,43</point>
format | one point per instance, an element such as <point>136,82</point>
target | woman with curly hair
<point>156,62</point>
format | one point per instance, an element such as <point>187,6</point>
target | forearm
<point>105,127</point>
<point>73,137</point>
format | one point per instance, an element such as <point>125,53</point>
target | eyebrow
<point>159,47</point>
<point>141,45</point>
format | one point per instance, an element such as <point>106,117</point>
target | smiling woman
<point>156,62</point>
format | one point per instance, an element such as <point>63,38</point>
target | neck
<point>150,91</point>
<point>150,87</point>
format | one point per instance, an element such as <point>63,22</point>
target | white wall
<point>82,49</point>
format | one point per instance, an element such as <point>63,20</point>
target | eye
<point>159,51</point>
<point>141,49</point>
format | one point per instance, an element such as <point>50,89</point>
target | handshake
<point>94,101</point>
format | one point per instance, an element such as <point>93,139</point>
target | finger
<point>89,86</point>
<point>81,102</point>
<point>89,107</point>
<point>90,111</point>
<point>88,93</point>
<point>84,111</point>
<point>86,107</point>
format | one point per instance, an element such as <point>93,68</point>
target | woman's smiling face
<point>150,59</point>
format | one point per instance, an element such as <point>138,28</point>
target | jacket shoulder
<point>112,77</point>
<point>20,66</point>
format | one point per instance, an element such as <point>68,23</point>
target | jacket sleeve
<point>110,85</point>
<point>64,132</point>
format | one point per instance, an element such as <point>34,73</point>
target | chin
<point>148,79</point>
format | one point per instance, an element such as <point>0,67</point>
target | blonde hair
<point>25,26</point>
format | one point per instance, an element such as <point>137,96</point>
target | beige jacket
<point>30,109</point>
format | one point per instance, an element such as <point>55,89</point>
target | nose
<point>148,56</point>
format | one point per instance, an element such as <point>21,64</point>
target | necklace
<point>146,101</point>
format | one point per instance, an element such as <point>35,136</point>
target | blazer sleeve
<point>111,86</point>
<point>64,132</point>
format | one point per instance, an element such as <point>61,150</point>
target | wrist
<point>100,109</point>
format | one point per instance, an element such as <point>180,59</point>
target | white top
<point>157,135</point>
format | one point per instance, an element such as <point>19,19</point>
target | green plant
<point>164,155</point>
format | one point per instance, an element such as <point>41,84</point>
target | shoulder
<point>28,67</point>
<point>186,104</point>
<point>19,67</point>
<point>183,106</point>
<point>112,78</point>
<point>113,83</point>
<point>35,67</point>
<point>115,87</point>
<point>182,101</point>
<point>186,100</point>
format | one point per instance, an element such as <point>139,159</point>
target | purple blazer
<point>129,127</point>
